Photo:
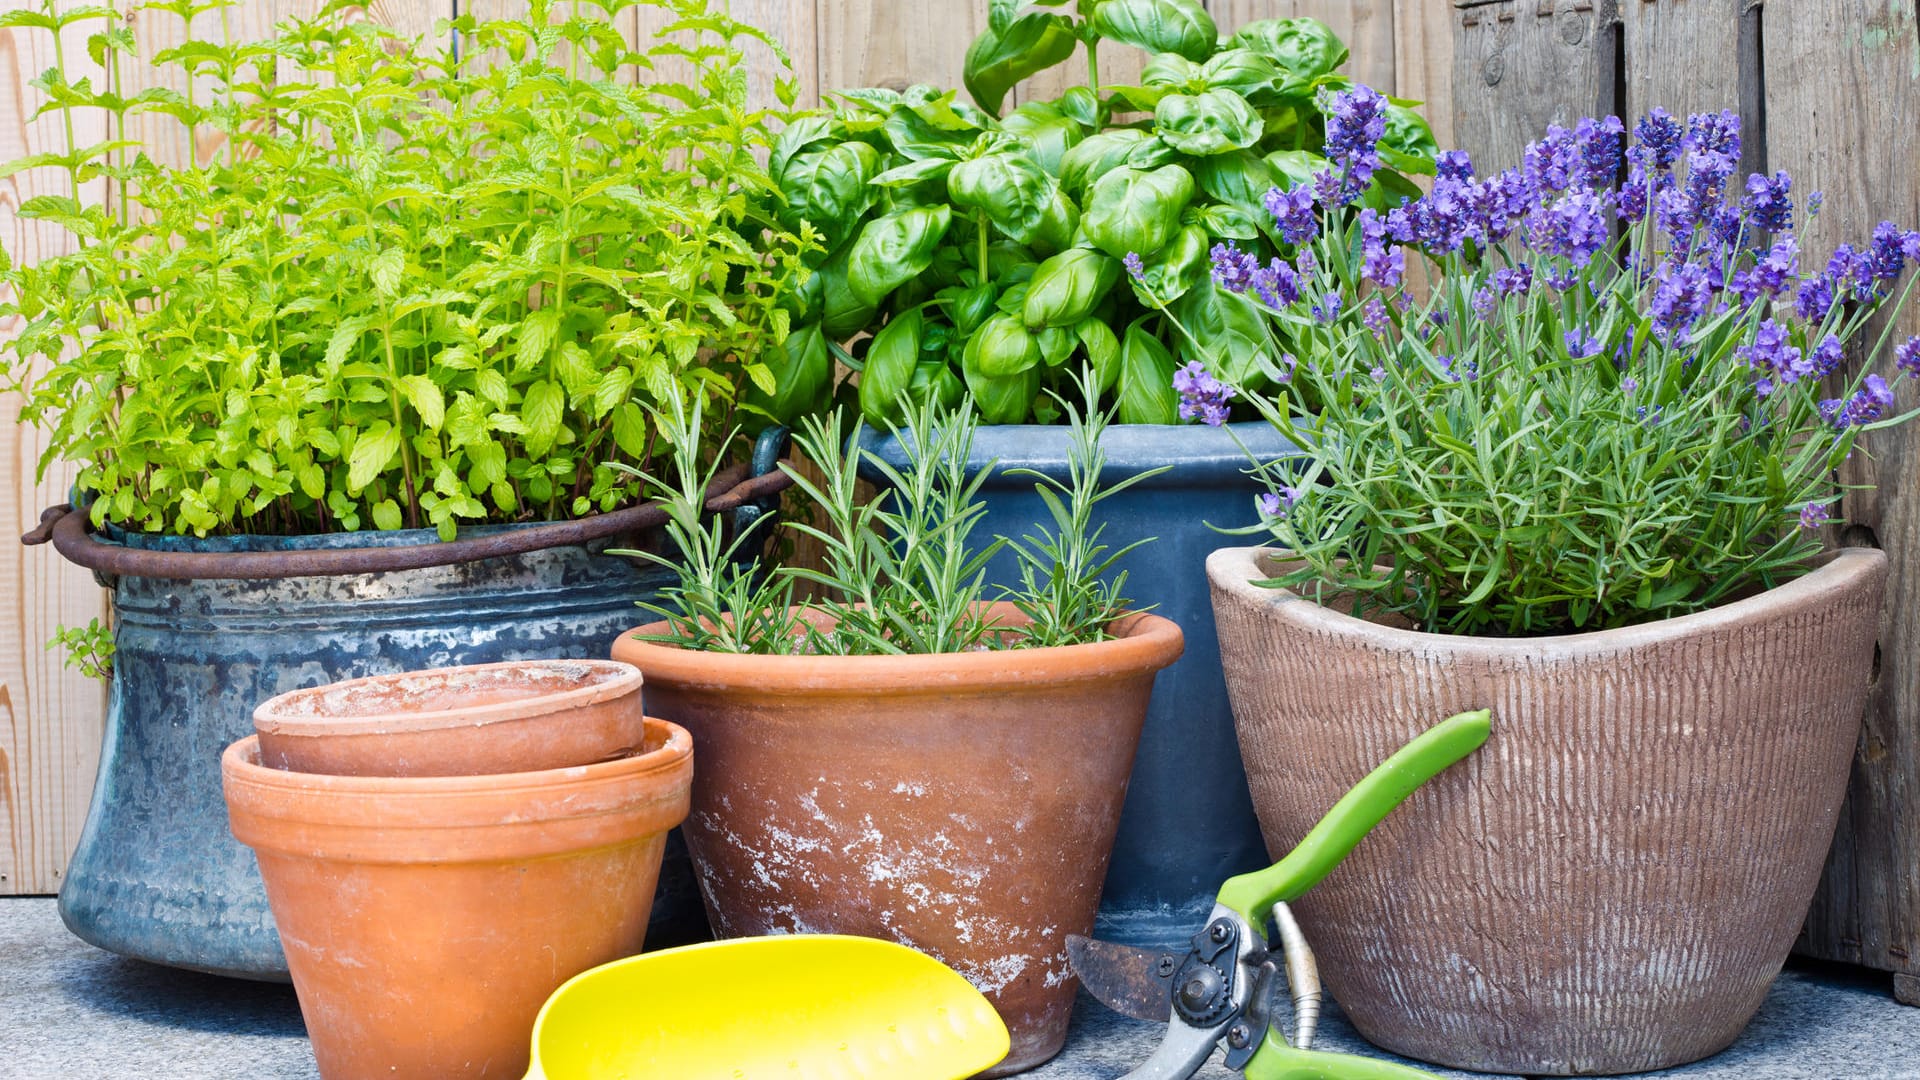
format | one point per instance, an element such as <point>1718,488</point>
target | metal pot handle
<point>754,488</point>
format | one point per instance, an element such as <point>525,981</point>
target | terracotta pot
<point>963,804</point>
<point>519,716</point>
<point>1612,882</point>
<point>426,919</point>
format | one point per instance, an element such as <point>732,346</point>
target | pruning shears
<point>1219,993</point>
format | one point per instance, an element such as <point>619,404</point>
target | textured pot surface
<point>427,919</point>
<point>518,716</point>
<point>962,804</point>
<point>1613,881</point>
<point>1178,840</point>
<point>156,875</point>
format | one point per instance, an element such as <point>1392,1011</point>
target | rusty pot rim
<point>1235,571</point>
<point>275,716</point>
<point>1143,643</point>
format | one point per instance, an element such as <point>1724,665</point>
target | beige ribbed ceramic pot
<point>1611,884</point>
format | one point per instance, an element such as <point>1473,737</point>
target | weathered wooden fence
<point>1826,89</point>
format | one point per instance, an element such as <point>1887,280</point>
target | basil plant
<point>967,248</point>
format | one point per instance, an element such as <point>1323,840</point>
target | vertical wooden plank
<point>1366,26</point>
<point>51,718</point>
<point>1520,65</point>
<point>1692,56</point>
<point>895,43</point>
<point>1423,62</point>
<point>1842,86</point>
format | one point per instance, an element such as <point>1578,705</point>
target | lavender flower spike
<point>1202,397</point>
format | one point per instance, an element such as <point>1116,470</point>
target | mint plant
<point>900,573</point>
<point>988,254</point>
<point>417,287</point>
<point>1621,398</point>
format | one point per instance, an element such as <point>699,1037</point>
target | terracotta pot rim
<point>672,748</point>
<point>1144,643</point>
<point>1235,571</point>
<point>272,717</point>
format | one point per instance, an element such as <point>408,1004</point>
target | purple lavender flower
<point>1287,365</point>
<point>1468,371</point>
<point>1580,346</point>
<point>1815,201</point>
<point>1814,299</point>
<point>1656,140</point>
<point>1374,317</point>
<point>1827,356</point>
<point>1574,226</point>
<point>1356,122</point>
<point>1886,257</point>
<point>1293,214</point>
<point>1516,280</point>
<point>1383,266</point>
<point>1768,277</point>
<point>1598,145</point>
<point>1277,504</point>
<point>1379,373</point>
<point>1553,161</point>
<point>1906,356</point>
<point>1850,271</point>
<point>1640,192</point>
<point>1483,302</point>
<point>1773,358</point>
<point>1683,295</point>
<point>1714,133</point>
<point>1327,308</point>
<point>1240,271</point>
<point>1869,403</point>
<point>1453,165</point>
<point>1769,202</point>
<point>1135,268</point>
<point>1629,384</point>
<point>1814,515</point>
<point>1202,396</point>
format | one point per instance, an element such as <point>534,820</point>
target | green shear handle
<point>1253,896</point>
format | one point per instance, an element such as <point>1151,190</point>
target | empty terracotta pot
<point>962,804</point>
<point>426,919</point>
<point>1610,884</point>
<point>520,716</point>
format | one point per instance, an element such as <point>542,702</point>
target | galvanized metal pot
<point>1188,822</point>
<point>1611,884</point>
<point>157,875</point>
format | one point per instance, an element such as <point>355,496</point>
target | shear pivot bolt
<point>1238,1036</point>
<point>1219,932</point>
<point>1166,965</point>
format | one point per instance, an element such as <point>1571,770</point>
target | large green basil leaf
<point>1239,178</point>
<point>1136,212</point>
<point>1082,105</point>
<point>1103,350</point>
<point>894,250</point>
<point>1170,71</point>
<point>937,379</point>
<point>1225,220</point>
<point>1181,265</point>
<point>892,359</point>
<point>1175,26</point>
<point>914,172</point>
<point>967,308</point>
<point>1056,344</point>
<point>1057,230</point>
<point>917,137</point>
<point>1146,379</point>
<point>829,188</point>
<point>1151,153</point>
<point>1001,347</point>
<point>1004,400</point>
<point>1228,335</point>
<point>802,378</point>
<point>1066,288</point>
<point>1010,186</point>
<point>1215,122</point>
<point>997,59</point>
<point>1305,47</point>
<point>1047,130</point>
<point>842,313</point>
<point>1094,156</point>
<point>800,135</point>
<point>1408,145</point>
<point>1388,190</point>
<point>1135,98</point>
<point>1243,71</point>
<point>1296,168</point>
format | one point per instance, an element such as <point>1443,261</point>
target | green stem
<point>981,223</point>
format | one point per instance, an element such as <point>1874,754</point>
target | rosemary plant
<point>901,574</point>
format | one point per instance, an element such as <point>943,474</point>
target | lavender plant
<point>1610,403</point>
<point>417,286</point>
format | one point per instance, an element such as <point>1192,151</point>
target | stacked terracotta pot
<point>443,849</point>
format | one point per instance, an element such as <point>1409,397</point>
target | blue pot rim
<point>1199,455</point>
<point>242,542</point>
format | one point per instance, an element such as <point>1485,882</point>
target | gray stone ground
<point>71,1012</point>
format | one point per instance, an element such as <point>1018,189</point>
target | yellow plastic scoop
<point>805,1007</point>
